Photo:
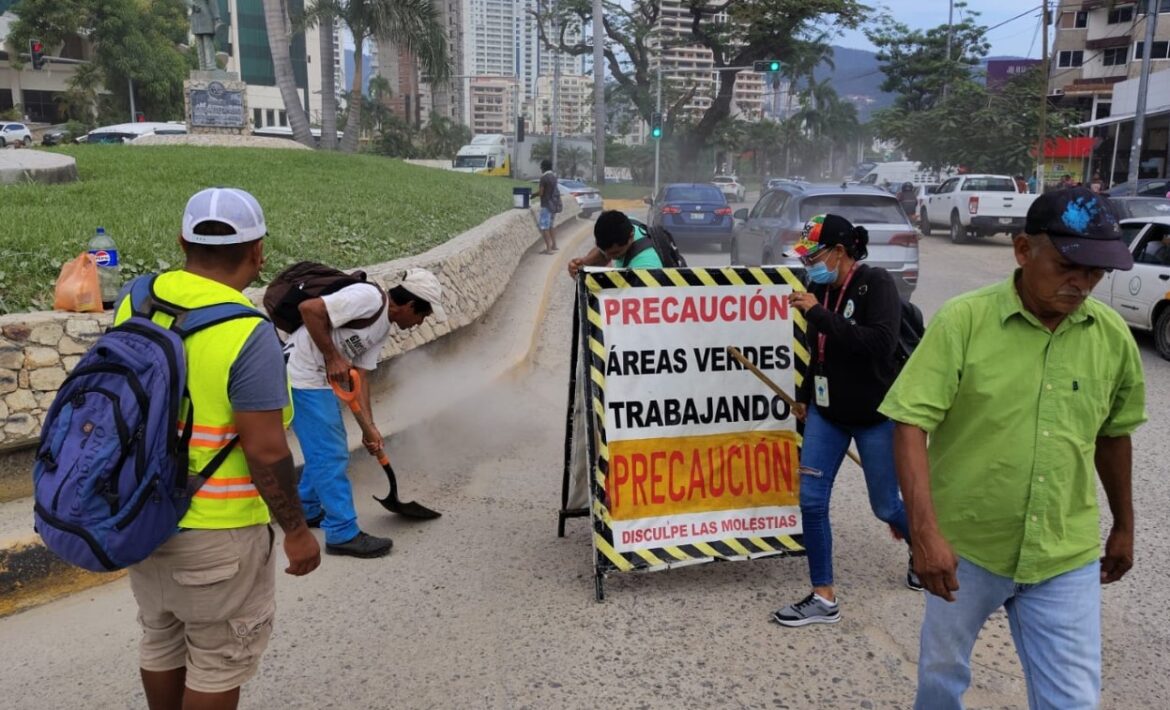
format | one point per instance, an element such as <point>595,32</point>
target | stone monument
<point>216,100</point>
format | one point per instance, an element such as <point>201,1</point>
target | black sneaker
<point>316,520</point>
<point>810,610</point>
<point>912,581</point>
<point>362,546</point>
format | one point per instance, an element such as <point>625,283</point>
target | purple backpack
<point>111,476</point>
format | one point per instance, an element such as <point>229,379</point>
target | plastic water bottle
<point>105,252</point>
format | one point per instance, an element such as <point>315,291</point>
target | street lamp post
<point>1139,116</point>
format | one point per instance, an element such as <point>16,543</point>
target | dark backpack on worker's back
<point>660,241</point>
<point>305,280</point>
<point>111,479</point>
<point>911,332</point>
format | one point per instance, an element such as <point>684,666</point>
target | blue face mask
<point>820,273</point>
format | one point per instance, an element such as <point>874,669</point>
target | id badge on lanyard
<point>821,381</point>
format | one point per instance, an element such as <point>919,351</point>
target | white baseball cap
<point>233,207</point>
<point>426,286</point>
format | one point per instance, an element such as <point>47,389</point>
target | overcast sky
<point>1019,37</point>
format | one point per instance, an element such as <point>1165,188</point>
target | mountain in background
<point>857,75</point>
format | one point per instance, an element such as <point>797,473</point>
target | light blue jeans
<point>825,444</point>
<point>1055,624</point>
<point>320,429</point>
<point>545,222</point>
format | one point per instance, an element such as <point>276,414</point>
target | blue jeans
<point>825,444</point>
<point>1055,624</point>
<point>324,484</point>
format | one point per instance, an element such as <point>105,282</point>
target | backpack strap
<point>191,322</point>
<point>640,245</point>
<point>366,322</point>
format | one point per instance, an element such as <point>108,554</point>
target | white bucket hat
<point>233,207</point>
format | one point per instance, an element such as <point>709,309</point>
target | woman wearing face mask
<point>854,315</point>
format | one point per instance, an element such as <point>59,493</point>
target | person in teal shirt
<point>619,240</point>
<point>1020,397</point>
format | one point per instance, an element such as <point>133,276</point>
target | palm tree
<point>277,23</point>
<point>326,47</point>
<point>411,24</point>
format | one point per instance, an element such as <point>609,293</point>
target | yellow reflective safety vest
<point>228,499</point>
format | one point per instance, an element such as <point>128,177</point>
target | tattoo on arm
<point>277,484</point>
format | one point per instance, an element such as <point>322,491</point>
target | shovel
<point>735,353</point>
<point>390,502</point>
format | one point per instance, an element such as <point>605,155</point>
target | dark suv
<point>773,225</point>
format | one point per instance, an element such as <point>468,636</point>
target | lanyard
<point>840,298</point>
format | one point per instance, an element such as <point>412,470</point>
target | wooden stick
<point>735,353</point>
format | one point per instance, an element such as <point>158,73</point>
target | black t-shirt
<point>860,341</point>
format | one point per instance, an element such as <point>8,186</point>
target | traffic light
<point>766,65</point>
<point>655,125</point>
<point>36,51</point>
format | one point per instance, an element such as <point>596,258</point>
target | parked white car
<point>731,187</point>
<point>13,133</point>
<point>1142,295</point>
<point>976,206</point>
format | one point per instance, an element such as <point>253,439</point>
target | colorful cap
<point>823,231</point>
<point>1082,226</point>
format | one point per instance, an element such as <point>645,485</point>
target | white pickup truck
<point>976,206</point>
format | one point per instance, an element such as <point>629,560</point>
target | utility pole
<point>1139,117</point>
<point>598,94</point>
<point>1044,62</point>
<point>556,88</point>
<point>658,143</point>
<point>950,39</point>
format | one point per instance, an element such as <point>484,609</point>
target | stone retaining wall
<point>37,350</point>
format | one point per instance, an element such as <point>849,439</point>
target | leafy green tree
<point>916,64</point>
<point>737,32</point>
<point>395,138</point>
<point>134,40</point>
<point>441,137</point>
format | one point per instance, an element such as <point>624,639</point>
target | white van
<point>897,172</point>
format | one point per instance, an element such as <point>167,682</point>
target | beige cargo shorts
<point>206,602</point>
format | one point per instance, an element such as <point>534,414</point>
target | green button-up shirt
<point>1013,412</point>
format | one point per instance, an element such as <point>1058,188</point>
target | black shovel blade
<point>408,510</point>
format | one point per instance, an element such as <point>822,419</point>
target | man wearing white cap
<point>206,596</point>
<point>322,351</point>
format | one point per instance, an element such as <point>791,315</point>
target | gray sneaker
<point>810,610</point>
<point>912,581</point>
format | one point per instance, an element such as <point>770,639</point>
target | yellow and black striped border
<point>608,559</point>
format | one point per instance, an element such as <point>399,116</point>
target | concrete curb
<point>31,575</point>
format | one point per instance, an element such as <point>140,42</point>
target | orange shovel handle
<point>350,396</point>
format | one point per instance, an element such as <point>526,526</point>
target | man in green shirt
<point>1023,388</point>
<point>618,240</point>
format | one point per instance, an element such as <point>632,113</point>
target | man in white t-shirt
<point>322,351</point>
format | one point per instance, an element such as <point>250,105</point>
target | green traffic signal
<point>655,125</point>
<point>773,65</point>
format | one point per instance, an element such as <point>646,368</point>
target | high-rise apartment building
<point>575,97</point>
<point>501,38</point>
<point>690,67</point>
<point>492,100</point>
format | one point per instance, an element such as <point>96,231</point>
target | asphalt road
<point>487,608</point>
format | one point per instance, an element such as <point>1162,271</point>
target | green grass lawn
<point>343,210</point>
<point>625,191</point>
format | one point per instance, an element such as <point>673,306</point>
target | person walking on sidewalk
<point>206,596</point>
<point>549,193</point>
<point>322,351</point>
<point>854,315</point>
<point>617,239</point>
<point>1024,388</point>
